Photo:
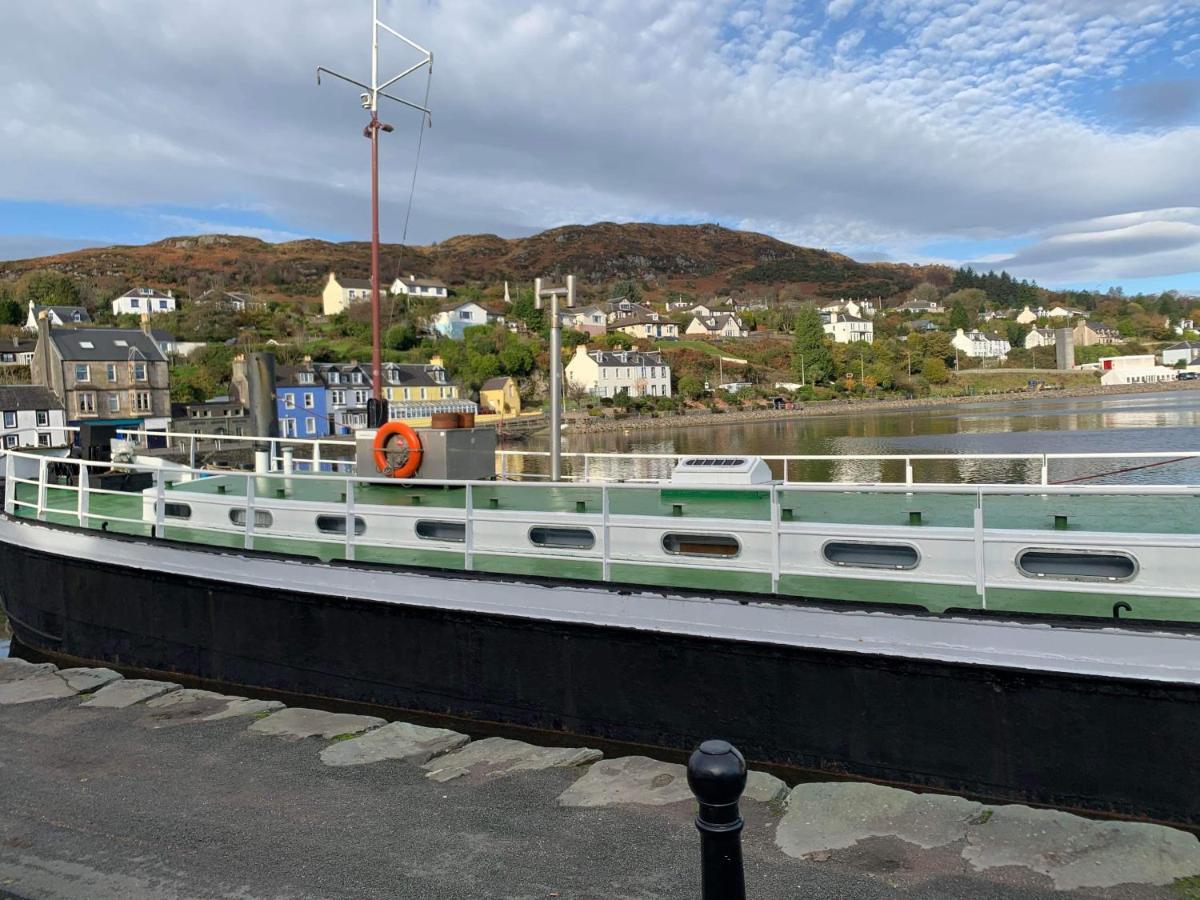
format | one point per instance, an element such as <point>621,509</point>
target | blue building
<point>301,402</point>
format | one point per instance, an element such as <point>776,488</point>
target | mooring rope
<point>1123,470</point>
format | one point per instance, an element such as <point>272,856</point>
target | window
<point>305,378</point>
<point>110,371</point>
<point>356,378</point>
<point>1077,565</point>
<point>162,304</point>
<point>177,511</point>
<point>10,418</point>
<point>43,418</point>
<point>350,293</point>
<point>262,518</point>
<point>114,403</point>
<point>337,398</point>
<point>442,531</point>
<point>288,427</point>
<point>121,343</point>
<point>465,314</point>
<point>82,372</point>
<point>10,441</point>
<point>337,525</point>
<point>309,402</point>
<point>866,555</point>
<point>134,302</point>
<point>310,425</point>
<point>139,371</point>
<point>360,397</point>
<point>43,440</point>
<point>289,401</point>
<point>141,401</point>
<point>335,378</point>
<point>87,403</point>
<point>721,545</point>
<point>562,538</point>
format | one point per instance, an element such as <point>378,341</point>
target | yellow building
<point>500,395</point>
<point>341,293</point>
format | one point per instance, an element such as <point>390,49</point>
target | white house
<point>412,286</point>
<point>979,345</point>
<point>623,308</point>
<point>30,416</point>
<point>18,353</point>
<point>1027,316</point>
<point>862,309</point>
<point>143,301</point>
<point>1040,337</point>
<point>647,329</point>
<point>721,325</point>
<point>58,316</point>
<point>605,373</point>
<point>1134,370</point>
<point>1061,312</point>
<point>452,323</point>
<point>847,329</point>
<point>1184,325</point>
<point>920,306</point>
<point>591,320</point>
<point>341,293</point>
<point>1184,351</point>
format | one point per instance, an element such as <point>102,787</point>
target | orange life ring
<point>412,461</point>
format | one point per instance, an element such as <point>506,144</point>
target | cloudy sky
<point>1057,138</point>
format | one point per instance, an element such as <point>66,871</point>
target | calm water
<point>1121,424</point>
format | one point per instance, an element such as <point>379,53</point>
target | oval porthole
<point>1077,565</point>
<point>177,511</point>
<point>562,538</point>
<point>710,545</point>
<point>337,525</point>
<point>442,531</point>
<point>870,555</point>
<point>262,518</point>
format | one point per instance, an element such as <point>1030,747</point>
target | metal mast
<point>553,294</point>
<point>370,102</point>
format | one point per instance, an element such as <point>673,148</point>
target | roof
<point>153,293</point>
<point>1182,345</point>
<point>103,344</point>
<point>495,384</point>
<point>355,283</point>
<point>626,357</point>
<point>847,317</point>
<point>717,321</point>
<point>411,375</point>
<point>66,313</point>
<point>638,320</point>
<point>423,282</point>
<point>162,336</point>
<point>27,396</point>
<point>1097,326</point>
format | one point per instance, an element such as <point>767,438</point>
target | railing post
<point>10,485</point>
<point>908,470</point>
<point>605,533</point>
<point>469,531</point>
<point>84,486</point>
<point>586,467</point>
<point>350,520</point>
<point>717,776</point>
<point>1045,470</point>
<point>785,470</point>
<point>248,541</point>
<point>775,539</point>
<point>192,451</point>
<point>160,504</point>
<point>316,458</point>
<point>289,460</point>
<point>40,511</point>
<point>503,465</point>
<point>980,556</point>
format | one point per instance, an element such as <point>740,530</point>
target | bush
<point>935,371</point>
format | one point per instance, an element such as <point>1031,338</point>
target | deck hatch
<point>871,555</point>
<point>562,538</point>
<point>430,530</point>
<point>262,518</point>
<point>720,545</point>
<point>1077,565</point>
<point>337,525</point>
<point>177,511</point>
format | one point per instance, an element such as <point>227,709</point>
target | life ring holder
<point>412,455</point>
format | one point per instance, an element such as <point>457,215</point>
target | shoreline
<point>854,407</point>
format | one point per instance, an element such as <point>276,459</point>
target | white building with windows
<point>453,323</point>
<point>981,345</point>
<point>143,301</point>
<point>607,373</point>
<point>57,316</point>
<point>30,416</point>
<point>412,286</point>
<point>721,325</point>
<point>844,328</point>
<point>1040,337</point>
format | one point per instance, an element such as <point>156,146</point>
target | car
<point>1188,376</point>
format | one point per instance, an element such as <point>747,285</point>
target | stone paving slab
<point>648,782</point>
<point>46,686</point>
<point>195,705</point>
<point>17,669</point>
<point>398,740</point>
<point>296,723</point>
<point>127,692</point>
<point>826,817</point>
<point>1081,853</point>
<point>498,757</point>
<point>87,680</point>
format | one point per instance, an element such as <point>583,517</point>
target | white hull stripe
<point>1034,646</point>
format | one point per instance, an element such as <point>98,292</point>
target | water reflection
<point>1125,424</point>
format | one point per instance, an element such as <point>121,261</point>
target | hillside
<point>663,258</point>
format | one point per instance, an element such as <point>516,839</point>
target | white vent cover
<point>721,470</point>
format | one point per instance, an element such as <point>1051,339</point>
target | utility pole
<point>553,294</point>
<point>370,102</point>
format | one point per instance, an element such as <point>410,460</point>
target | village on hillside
<point>165,355</point>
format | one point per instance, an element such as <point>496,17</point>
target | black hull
<point>1101,744</point>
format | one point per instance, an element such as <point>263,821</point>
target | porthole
<point>709,545</point>
<point>562,538</point>
<point>262,518</point>
<point>1077,565</point>
<point>870,555</point>
<point>337,525</point>
<point>442,531</point>
<point>177,511</point>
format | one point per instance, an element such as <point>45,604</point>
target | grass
<point>1188,888</point>
<point>992,380</point>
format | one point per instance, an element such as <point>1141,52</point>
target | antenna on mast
<point>377,409</point>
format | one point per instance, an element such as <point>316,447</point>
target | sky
<point>1057,139</point>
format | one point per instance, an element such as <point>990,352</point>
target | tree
<point>959,317</point>
<point>690,387</point>
<point>46,288</point>
<point>935,371</point>
<point>926,292</point>
<point>402,336</point>
<point>812,358</point>
<point>629,289</point>
<point>10,312</point>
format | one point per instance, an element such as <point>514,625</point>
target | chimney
<point>436,360</point>
<point>146,324</point>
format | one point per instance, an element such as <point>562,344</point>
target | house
<point>591,320</point>
<point>1040,337</point>
<point>647,329</point>
<point>847,329</point>
<point>720,325</point>
<point>236,301</point>
<point>861,309</point>
<point>500,395</point>
<point>1183,352</point>
<point>18,353</point>
<point>412,286</point>
<point>992,314</point>
<point>623,308</point>
<point>927,307</point>
<point>1183,326</point>
<point>1140,369</point>
<point>420,390</point>
<point>143,301</point>
<point>1028,316</point>
<point>701,310</point>
<point>1087,333</point>
<point>1061,312</point>
<point>217,416</point>
<point>300,402</point>
<point>30,416</point>
<point>453,323</point>
<point>340,294</point>
<point>347,388</point>
<point>981,345</point>
<point>58,316</point>
<point>921,326</point>
<point>605,373</point>
<point>117,376</point>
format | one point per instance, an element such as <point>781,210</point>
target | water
<point>1165,421</point>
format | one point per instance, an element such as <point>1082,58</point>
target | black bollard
<point>717,776</point>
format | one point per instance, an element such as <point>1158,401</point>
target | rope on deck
<point>1123,470</point>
